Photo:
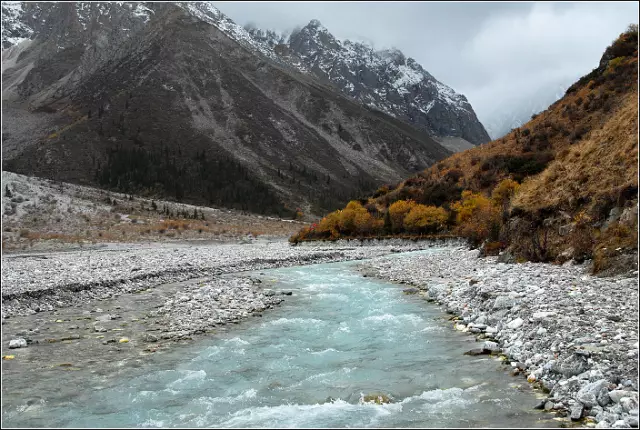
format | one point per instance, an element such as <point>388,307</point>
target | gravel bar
<point>44,282</point>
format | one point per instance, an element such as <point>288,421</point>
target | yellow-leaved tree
<point>397,211</point>
<point>477,218</point>
<point>504,192</point>
<point>355,219</point>
<point>329,225</point>
<point>425,219</point>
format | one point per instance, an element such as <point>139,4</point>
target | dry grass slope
<point>577,163</point>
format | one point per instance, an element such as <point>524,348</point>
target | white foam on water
<point>333,296</point>
<point>143,395</point>
<point>210,401</point>
<point>324,351</point>
<point>437,395</point>
<point>210,352</point>
<point>190,377</point>
<point>152,423</point>
<point>431,328</point>
<point>236,341</point>
<point>295,415</point>
<point>288,321</point>
<point>389,318</point>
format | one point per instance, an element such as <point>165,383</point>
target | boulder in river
<point>17,343</point>
<point>576,411</point>
<point>376,398</point>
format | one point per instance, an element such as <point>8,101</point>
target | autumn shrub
<point>354,219</point>
<point>504,191</point>
<point>425,219</point>
<point>397,212</point>
<point>477,218</point>
<point>328,226</point>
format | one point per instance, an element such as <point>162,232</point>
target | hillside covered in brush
<point>562,186</point>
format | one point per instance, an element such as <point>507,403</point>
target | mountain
<point>385,80</point>
<point>562,186</point>
<point>176,100</point>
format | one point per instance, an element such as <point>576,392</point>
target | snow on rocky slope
<point>383,80</point>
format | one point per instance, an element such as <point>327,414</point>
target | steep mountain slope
<point>577,162</point>
<point>385,80</point>
<point>172,100</point>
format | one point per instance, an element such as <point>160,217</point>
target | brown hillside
<point>576,163</point>
<point>584,110</point>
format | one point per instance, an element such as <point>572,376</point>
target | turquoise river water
<point>310,362</point>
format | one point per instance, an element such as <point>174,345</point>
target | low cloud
<point>500,55</point>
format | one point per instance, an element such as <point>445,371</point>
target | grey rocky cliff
<point>384,80</point>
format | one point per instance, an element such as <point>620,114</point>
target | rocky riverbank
<point>98,313</point>
<point>574,334</point>
<point>34,283</point>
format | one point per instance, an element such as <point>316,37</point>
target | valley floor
<point>95,310</point>
<point>44,215</point>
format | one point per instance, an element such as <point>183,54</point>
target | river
<point>310,363</point>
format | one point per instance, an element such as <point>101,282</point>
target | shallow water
<point>309,363</point>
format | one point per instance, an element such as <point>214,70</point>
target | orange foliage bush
<point>397,212</point>
<point>477,217</point>
<point>425,219</point>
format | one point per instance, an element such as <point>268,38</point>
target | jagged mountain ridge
<point>181,105</point>
<point>385,80</point>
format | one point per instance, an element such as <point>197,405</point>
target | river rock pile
<point>198,308</point>
<point>575,334</point>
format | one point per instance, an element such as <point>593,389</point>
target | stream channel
<point>310,363</point>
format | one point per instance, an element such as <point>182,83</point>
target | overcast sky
<point>500,55</point>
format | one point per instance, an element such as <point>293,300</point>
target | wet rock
<point>491,346</point>
<point>411,291</point>
<point>477,351</point>
<point>17,343</point>
<point>506,257</point>
<point>628,403</point>
<point>576,412</point>
<point>503,302</point>
<point>516,323</point>
<point>591,393</point>
<point>617,395</point>
<point>148,337</point>
<point>378,399</point>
